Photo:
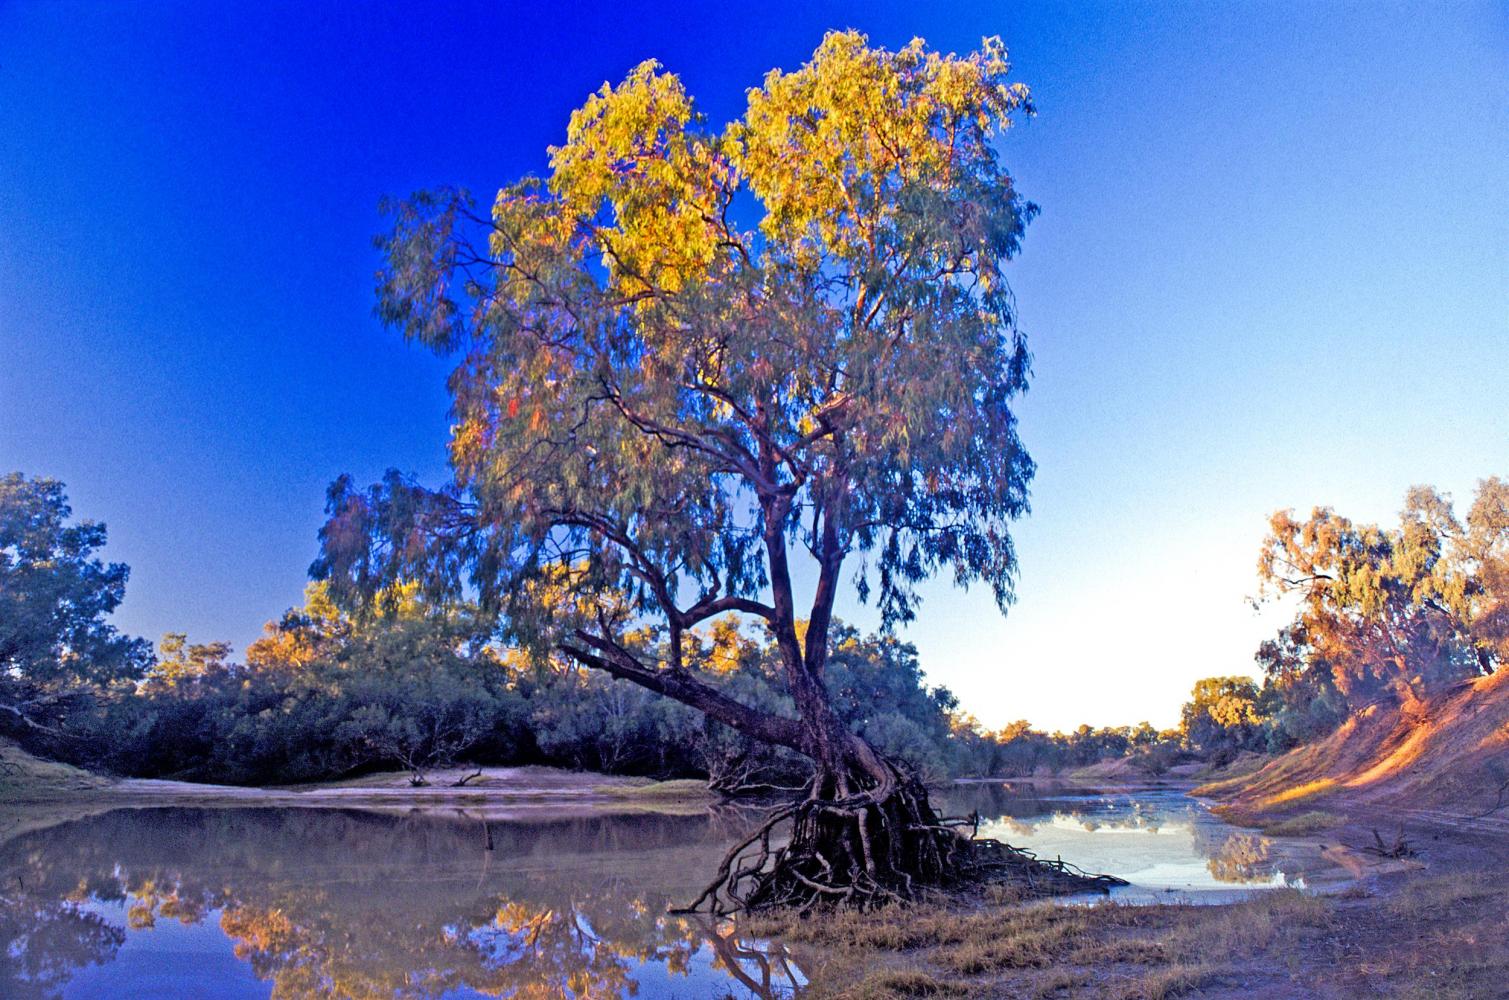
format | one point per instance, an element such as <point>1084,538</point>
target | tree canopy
<point>1393,609</point>
<point>685,354</point>
<point>687,350</point>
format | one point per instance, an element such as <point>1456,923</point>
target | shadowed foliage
<point>55,595</point>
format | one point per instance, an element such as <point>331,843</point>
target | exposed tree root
<point>879,846</point>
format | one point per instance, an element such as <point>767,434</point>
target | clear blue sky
<point>1270,271</point>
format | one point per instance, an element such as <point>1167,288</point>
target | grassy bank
<point>25,778</point>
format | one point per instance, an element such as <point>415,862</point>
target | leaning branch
<point>683,687</point>
<point>711,608</point>
<point>19,710</point>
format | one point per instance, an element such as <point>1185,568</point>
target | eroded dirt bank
<point>1441,763</point>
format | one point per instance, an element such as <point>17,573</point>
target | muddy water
<point>229,903</point>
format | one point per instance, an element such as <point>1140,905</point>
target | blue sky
<point>1270,271</point>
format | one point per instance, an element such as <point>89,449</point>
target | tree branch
<point>709,608</point>
<point>680,685</point>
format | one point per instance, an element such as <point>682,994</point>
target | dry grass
<point>1302,824</point>
<point>1308,790</point>
<point>679,788</point>
<point>1162,984</point>
<point>1430,936</point>
<point>24,778</point>
<point>1040,950</point>
<point>894,984</point>
<point>1058,982</point>
<point>1452,943</point>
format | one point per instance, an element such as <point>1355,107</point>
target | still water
<point>230,903</point>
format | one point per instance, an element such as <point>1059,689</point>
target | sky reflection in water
<point>1163,842</point>
<point>230,903</point>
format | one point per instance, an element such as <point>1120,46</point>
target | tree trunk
<point>865,832</point>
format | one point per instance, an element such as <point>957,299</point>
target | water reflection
<point>331,903</point>
<point>1158,839</point>
<point>347,904</point>
<point>1243,859</point>
<point>48,940</point>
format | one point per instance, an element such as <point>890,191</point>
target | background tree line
<point>1381,615</point>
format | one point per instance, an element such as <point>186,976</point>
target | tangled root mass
<point>880,846</point>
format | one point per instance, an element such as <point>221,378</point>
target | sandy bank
<point>31,780</point>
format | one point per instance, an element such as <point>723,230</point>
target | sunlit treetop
<point>683,336</point>
<point>1423,602</point>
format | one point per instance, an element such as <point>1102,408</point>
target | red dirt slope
<point>1448,758</point>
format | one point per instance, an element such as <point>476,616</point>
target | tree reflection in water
<point>1029,814</point>
<point>349,904</point>
<point>46,940</point>
<point>1243,858</point>
<point>361,905</point>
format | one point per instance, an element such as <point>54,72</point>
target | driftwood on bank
<point>1396,850</point>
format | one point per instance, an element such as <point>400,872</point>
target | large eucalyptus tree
<point>689,357</point>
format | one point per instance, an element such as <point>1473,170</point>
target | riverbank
<point>1411,805</point>
<point>544,786</point>
<point>1423,925</point>
<point>1380,929</point>
<point>1442,762</point>
<point>1406,935</point>
<point>1426,925</point>
<point>26,779</point>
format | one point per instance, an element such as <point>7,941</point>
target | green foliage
<point>591,721</point>
<point>1018,750</point>
<point>181,662</point>
<point>1383,614</point>
<point>685,350</point>
<point>624,391</point>
<point>322,697</point>
<point>878,690</point>
<point>54,593</point>
<point>54,598</point>
<point>1299,696</point>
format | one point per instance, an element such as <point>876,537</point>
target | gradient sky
<point>1270,271</point>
